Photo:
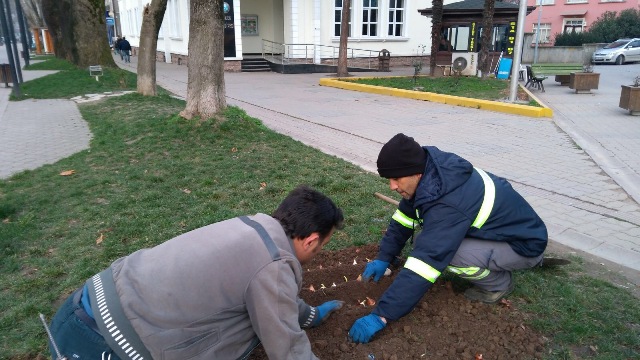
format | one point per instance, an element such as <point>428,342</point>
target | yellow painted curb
<point>508,108</point>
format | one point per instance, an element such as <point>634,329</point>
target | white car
<point>618,52</point>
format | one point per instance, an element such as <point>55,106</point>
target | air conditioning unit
<point>465,63</point>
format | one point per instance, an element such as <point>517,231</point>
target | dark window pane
<point>392,4</point>
<point>399,4</point>
<point>399,16</point>
<point>365,3</point>
<point>390,16</point>
<point>365,15</point>
<point>336,30</point>
<point>374,15</point>
<point>398,30</point>
<point>337,17</point>
<point>390,29</point>
<point>364,29</point>
<point>373,31</point>
<point>374,3</point>
<point>338,3</point>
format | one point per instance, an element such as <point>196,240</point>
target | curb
<point>516,109</point>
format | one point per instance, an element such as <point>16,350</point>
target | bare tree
<point>33,12</point>
<point>151,21</point>
<point>205,88</point>
<point>485,41</point>
<point>436,32</point>
<point>343,70</point>
<point>78,31</point>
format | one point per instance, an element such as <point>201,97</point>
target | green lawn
<point>471,87</point>
<point>150,175</point>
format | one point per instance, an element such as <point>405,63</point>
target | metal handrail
<point>312,53</point>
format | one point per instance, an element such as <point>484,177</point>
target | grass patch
<point>150,175</point>
<point>71,81</point>
<point>463,86</point>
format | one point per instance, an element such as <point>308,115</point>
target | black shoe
<point>488,297</point>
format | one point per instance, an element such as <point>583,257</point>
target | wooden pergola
<point>462,22</point>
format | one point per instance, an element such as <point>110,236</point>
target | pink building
<point>557,16</point>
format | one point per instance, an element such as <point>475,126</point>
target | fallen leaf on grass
<point>263,185</point>
<point>5,221</point>
<point>99,239</point>
<point>234,149</point>
<point>186,191</point>
<point>593,348</point>
<point>506,303</point>
<point>68,172</point>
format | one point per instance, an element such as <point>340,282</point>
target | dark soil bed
<point>445,325</point>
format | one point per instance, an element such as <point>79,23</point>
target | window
<point>499,38</point>
<point>574,25</point>
<point>337,21</point>
<point>577,1</point>
<point>544,2</point>
<point>370,18</point>
<point>373,19</point>
<point>396,17</point>
<point>545,33</point>
<point>459,37</point>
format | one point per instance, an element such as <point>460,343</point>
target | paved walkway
<point>38,132</point>
<point>580,170</point>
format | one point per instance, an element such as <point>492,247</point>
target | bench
<point>95,70</point>
<point>561,71</point>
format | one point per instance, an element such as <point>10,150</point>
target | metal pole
<point>23,33</point>
<point>5,30</point>
<point>12,35</point>
<point>517,51</point>
<point>535,52</point>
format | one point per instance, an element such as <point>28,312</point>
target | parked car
<point>618,52</point>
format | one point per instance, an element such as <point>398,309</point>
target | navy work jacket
<point>446,203</point>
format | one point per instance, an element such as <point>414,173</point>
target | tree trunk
<point>487,32</point>
<point>205,88</point>
<point>343,70</point>
<point>151,21</point>
<point>78,31</point>
<point>436,32</point>
<point>33,12</point>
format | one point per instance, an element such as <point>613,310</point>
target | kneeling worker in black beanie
<point>474,224</point>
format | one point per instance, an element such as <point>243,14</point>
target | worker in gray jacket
<point>213,293</point>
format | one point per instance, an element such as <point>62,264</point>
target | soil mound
<point>444,325</point>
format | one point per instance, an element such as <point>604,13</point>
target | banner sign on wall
<point>229,29</point>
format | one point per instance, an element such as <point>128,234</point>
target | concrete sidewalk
<point>583,187</point>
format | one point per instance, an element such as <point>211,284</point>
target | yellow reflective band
<point>487,202</point>
<point>470,273</point>
<point>423,269</point>
<point>403,219</point>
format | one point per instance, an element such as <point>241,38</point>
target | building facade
<point>297,27</point>
<point>559,16</point>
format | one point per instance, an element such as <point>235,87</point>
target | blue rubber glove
<point>325,310</point>
<point>375,268</point>
<point>364,328</point>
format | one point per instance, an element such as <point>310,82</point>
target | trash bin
<point>5,74</point>
<point>384,57</point>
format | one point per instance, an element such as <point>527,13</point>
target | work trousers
<point>74,338</point>
<point>488,264</point>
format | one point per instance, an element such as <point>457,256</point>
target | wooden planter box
<point>583,82</point>
<point>630,99</point>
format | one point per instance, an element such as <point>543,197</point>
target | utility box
<point>384,58</point>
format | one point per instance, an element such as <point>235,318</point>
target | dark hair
<point>305,211</point>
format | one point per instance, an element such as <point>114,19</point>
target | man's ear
<point>310,241</point>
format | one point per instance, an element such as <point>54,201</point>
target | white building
<point>293,29</point>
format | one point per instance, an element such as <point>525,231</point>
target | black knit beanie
<point>401,156</point>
